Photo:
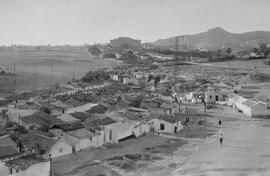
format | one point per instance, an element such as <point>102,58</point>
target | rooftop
<point>81,133</point>
<point>7,146</point>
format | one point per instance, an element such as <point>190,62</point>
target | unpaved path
<point>246,151</point>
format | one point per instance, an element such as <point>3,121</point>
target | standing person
<point>219,123</point>
<point>221,138</point>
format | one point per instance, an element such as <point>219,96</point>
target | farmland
<point>33,67</point>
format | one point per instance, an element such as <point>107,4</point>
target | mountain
<point>217,38</point>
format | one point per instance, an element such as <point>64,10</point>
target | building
<point>8,149</point>
<point>15,113</point>
<point>67,118</point>
<point>170,108</point>
<point>168,124</point>
<point>150,103</point>
<point>125,43</point>
<point>46,146</point>
<point>38,120</point>
<point>129,80</point>
<point>214,96</point>
<point>82,139</point>
<point>249,107</point>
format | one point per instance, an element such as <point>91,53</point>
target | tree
<point>263,47</point>
<point>228,51</point>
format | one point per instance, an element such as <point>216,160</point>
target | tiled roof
<point>170,119</point>
<point>98,109</point>
<point>60,104</point>
<point>38,141</point>
<point>81,133</point>
<point>7,146</point>
<point>250,103</point>
<point>80,115</point>
<point>237,98</point>
<point>97,123</point>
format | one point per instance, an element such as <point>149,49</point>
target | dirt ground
<point>245,150</point>
<point>137,154</point>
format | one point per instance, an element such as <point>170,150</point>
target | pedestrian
<point>220,138</point>
<point>219,123</point>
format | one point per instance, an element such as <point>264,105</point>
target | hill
<point>217,38</point>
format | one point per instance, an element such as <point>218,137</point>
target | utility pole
<point>19,122</point>
<point>204,116</point>
<point>14,78</point>
<point>74,76</point>
<point>51,171</point>
<point>50,86</point>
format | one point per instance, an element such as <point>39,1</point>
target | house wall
<point>4,170</point>
<point>60,148</point>
<point>245,109</point>
<point>38,169</point>
<point>168,127</point>
<point>85,143</point>
<point>210,98</point>
<point>141,129</point>
<point>126,132</point>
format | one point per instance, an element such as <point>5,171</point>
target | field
<point>33,68</point>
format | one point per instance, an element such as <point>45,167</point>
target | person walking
<point>221,138</point>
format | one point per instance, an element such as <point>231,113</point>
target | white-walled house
<point>82,139</point>
<point>50,146</point>
<point>168,124</point>
<point>214,96</point>
<point>250,108</point>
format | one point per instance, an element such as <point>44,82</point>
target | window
<point>162,126</point>
<point>60,150</point>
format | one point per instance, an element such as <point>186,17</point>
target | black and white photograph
<point>134,87</point>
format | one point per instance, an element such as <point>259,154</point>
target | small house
<point>168,124</point>
<point>214,96</point>
<point>83,139</point>
<point>150,103</point>
<point>46,146</point>
<point>59,108</point>
<point>170,109</point>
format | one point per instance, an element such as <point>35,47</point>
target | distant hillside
<point>217,38</point>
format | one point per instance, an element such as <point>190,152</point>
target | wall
<point>169,127</point>
<point>13,113</point>
<point>39,169</point>
<point>55,150</point>
<point>4,170</point>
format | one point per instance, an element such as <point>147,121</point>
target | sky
<point>76,22</point>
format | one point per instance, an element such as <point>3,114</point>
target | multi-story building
<point>125,43</point>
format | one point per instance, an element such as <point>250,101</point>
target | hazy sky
<point>87,21</point>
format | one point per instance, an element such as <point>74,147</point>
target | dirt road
<point>246,151</point>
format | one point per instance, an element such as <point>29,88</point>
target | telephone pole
<point>204,103</point>
<point>50,86</point>
<point>74,73</point>
<point>14,78</point>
